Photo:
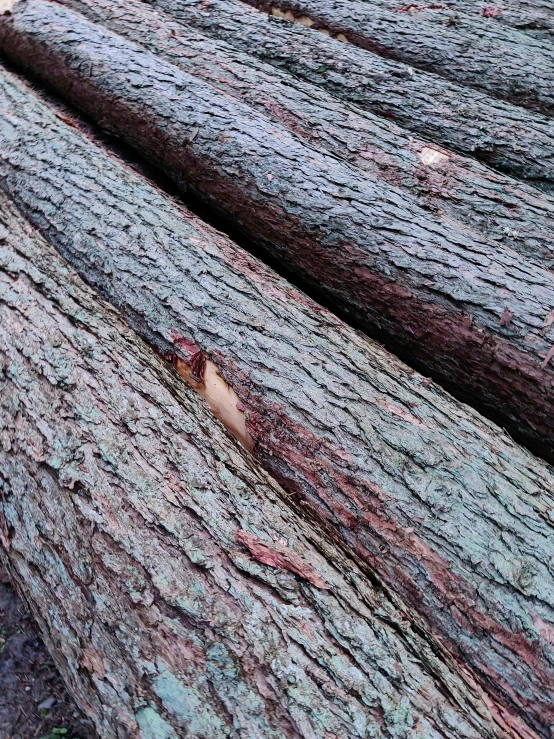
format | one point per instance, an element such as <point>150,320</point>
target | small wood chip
<point>549,320</point>
<point>548,357</point>
<point>507,316</point>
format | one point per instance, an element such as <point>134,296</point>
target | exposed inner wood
<point>7,5</point>
<point>502,209</point>
<point>222,399</point>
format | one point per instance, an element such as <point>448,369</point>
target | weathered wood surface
<point>508,138</point>
<point>443,182</point>
<point>466,310</point>
<point>466,49</point>
<point>177,592</point>
<point>436,501</point>
<point>535,17</point>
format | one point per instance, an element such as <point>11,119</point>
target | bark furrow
<point>469,312</point>
<point>466,49</point>
<point>431,498</point>
<point>503,209</point>
<point>177,591</point>
<point>508,138</point>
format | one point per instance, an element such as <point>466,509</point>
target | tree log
<point>430,497</point>
<point>177,592</point>
<point>508,138</point>
<point>466,49</point>
<point>535,17</point>
<point>443,182</point>
<point>463,309</point>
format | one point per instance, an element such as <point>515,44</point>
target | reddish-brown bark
<point>464,48</point>
<point>507,137</point>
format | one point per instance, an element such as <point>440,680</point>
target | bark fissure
<point>535,17</point>
<point>214,628</point>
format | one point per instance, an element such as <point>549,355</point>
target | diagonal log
<point>443,182</point>
<point>508,138</point>
<point>535,17</point>
<point>464,48</point>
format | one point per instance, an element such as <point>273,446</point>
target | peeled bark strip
<point>438,502</point>
<point>443,182</point>
<point>177,593</point>
<point>504,136</point>
<point>463,48</point>
<point>461,308</point>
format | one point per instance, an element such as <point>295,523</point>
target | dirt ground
<point>33,701</point>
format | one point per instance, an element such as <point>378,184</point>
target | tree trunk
<point>534,17</point>
<point>444,183</point>
<point>466,49</point>
<point>463,309</point>
<point>433,500</point>
<point>177,592</point>
<point>508,138</point>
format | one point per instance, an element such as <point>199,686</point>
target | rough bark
<point>504,136</point>
<point>466,49</point>
<point>178,593</point>
<point>535,17</point>
<point>466,310</point>
<point>433,499</point>
<point>443,182</point>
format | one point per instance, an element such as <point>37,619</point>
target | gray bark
<point>177,592</point>
<point>461,308</point>
<point>534,17</point>
<point>508,138</point>
<point>466,49</point>
<point>424,493</point>
<point>444,183</point>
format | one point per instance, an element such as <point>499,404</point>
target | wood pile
<point>290,477</point>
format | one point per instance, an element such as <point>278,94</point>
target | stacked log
<point>177,591</point>
<point>504,136</point>
<point>425,496</point>
<point>464,48</point>
<point>443,182</point>
<point>464,310</point>
<point>534,17</point>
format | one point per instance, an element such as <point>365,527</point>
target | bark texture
<point>178,593</point>
<point>508,138</point>
<point>534,17</point>
<point>431,498</point>
<point>443,182</point>
<point>468,311</point>
<point>466,49</point>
